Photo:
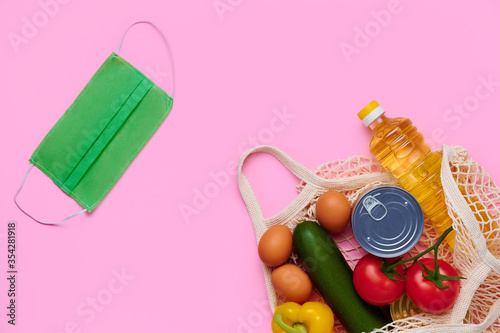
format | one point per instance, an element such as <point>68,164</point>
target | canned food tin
<point>387,221</point>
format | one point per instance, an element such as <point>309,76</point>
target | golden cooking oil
<point>401,149</point>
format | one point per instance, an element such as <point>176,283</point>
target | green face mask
<point>100,134</point>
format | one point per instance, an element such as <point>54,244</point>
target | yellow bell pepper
<point>312,317</point>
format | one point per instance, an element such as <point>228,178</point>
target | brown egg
<point>291,283</point>
<point>275,246</point>
<point>333,211</point>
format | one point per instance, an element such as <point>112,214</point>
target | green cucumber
<point>332,275</point>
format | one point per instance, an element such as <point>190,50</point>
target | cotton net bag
<point>473,202</point>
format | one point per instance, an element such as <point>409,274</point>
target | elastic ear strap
<point>166,42</point>
<point>22,210</point>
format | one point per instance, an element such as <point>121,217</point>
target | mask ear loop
<point>166,42</point>
<point>22,210</point>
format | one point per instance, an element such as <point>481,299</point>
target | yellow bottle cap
<point>370,112</point>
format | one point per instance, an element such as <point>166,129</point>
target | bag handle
<point>246,190</point>
<point>313,184</point>
<point>489,261</point>
<point>29,215</point>
<point>166,42</point>
<point>464,212</point>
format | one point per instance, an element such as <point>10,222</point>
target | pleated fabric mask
<point>101,133</point>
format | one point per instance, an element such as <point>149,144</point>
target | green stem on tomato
<point>297,328</point>
<point>435,274</point>
<point>416,257</point>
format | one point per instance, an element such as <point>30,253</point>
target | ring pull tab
<point>370,203</point>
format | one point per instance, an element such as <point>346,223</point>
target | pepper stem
<point>297,327</point>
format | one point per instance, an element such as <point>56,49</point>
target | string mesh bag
<point>473,202</point>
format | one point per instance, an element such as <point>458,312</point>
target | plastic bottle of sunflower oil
<point>401,149</point>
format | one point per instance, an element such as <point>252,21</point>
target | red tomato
<point>424,294</point>
<point>373,286</point>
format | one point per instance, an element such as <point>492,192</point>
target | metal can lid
<point>387,221</point>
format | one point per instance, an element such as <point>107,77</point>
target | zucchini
<point>331,274</point>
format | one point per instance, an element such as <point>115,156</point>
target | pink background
<point>234,70</point>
